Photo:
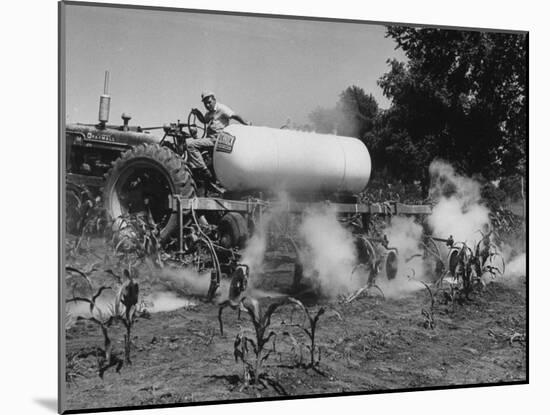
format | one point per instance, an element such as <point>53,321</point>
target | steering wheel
<point>192,124</point>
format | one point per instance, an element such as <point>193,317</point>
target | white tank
<point>263,158</point>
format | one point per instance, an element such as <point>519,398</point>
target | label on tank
<point>225,142</point>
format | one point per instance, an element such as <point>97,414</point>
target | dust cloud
<point>517,267</point>
<point>254,253</point>
<point>186,280</point>
<point>163,301</point>
<point>405,235</point>
<point>328,251</point>
<point>458,211</point>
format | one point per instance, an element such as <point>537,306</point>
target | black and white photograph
<point>267,207</point>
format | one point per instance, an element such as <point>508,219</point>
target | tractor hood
<point>109,136</point>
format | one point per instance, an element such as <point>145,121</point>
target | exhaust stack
<point>104,102</point>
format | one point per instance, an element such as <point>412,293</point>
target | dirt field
<point>369,344</point>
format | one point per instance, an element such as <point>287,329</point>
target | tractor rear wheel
<point>233,230</point>
<point>142,180</point>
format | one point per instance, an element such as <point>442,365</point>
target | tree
<point>460,97</point>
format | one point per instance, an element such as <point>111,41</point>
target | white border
<point>29,203</point>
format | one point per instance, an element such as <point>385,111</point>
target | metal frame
<point>251,204</point>
<point>255,207</point>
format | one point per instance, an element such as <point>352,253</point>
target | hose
<point>209,243</point>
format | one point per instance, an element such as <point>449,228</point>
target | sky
<point>266,69</point>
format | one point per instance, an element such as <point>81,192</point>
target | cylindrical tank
<point>263,158</point>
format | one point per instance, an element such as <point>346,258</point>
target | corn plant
<point>251,347</point>
<point>468,265</point>
<point>125,310</point>
<point>137,235</point>
<point>82,274</point>
<point>104,320</point>
<point>310,331</point>
<point>465,265</point>
<point>432,256</point>
<point>369,261</point>
<point>92,220</point>
<point>429,319</point>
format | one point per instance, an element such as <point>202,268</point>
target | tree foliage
<point>460,97</point>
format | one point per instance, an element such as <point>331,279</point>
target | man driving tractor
<point>216,118</point>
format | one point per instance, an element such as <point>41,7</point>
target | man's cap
<point>206,94</point>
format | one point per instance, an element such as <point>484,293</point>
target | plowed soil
<point>369,344</point>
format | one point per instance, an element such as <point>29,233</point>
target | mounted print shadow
<point>273,207</point>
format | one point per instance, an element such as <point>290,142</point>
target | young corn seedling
<point>429,319</point>
<point>469,266</point>
<point>125,310</point>
<point>463,270</point>
<point>433,258</point>
<point>250,347</point>
<point>370,263</point>
<point>104,320</point>
<point>91,219</point>
<point>137,235</point>
<point>314,351</point>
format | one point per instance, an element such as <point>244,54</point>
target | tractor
<point>130,171</point>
